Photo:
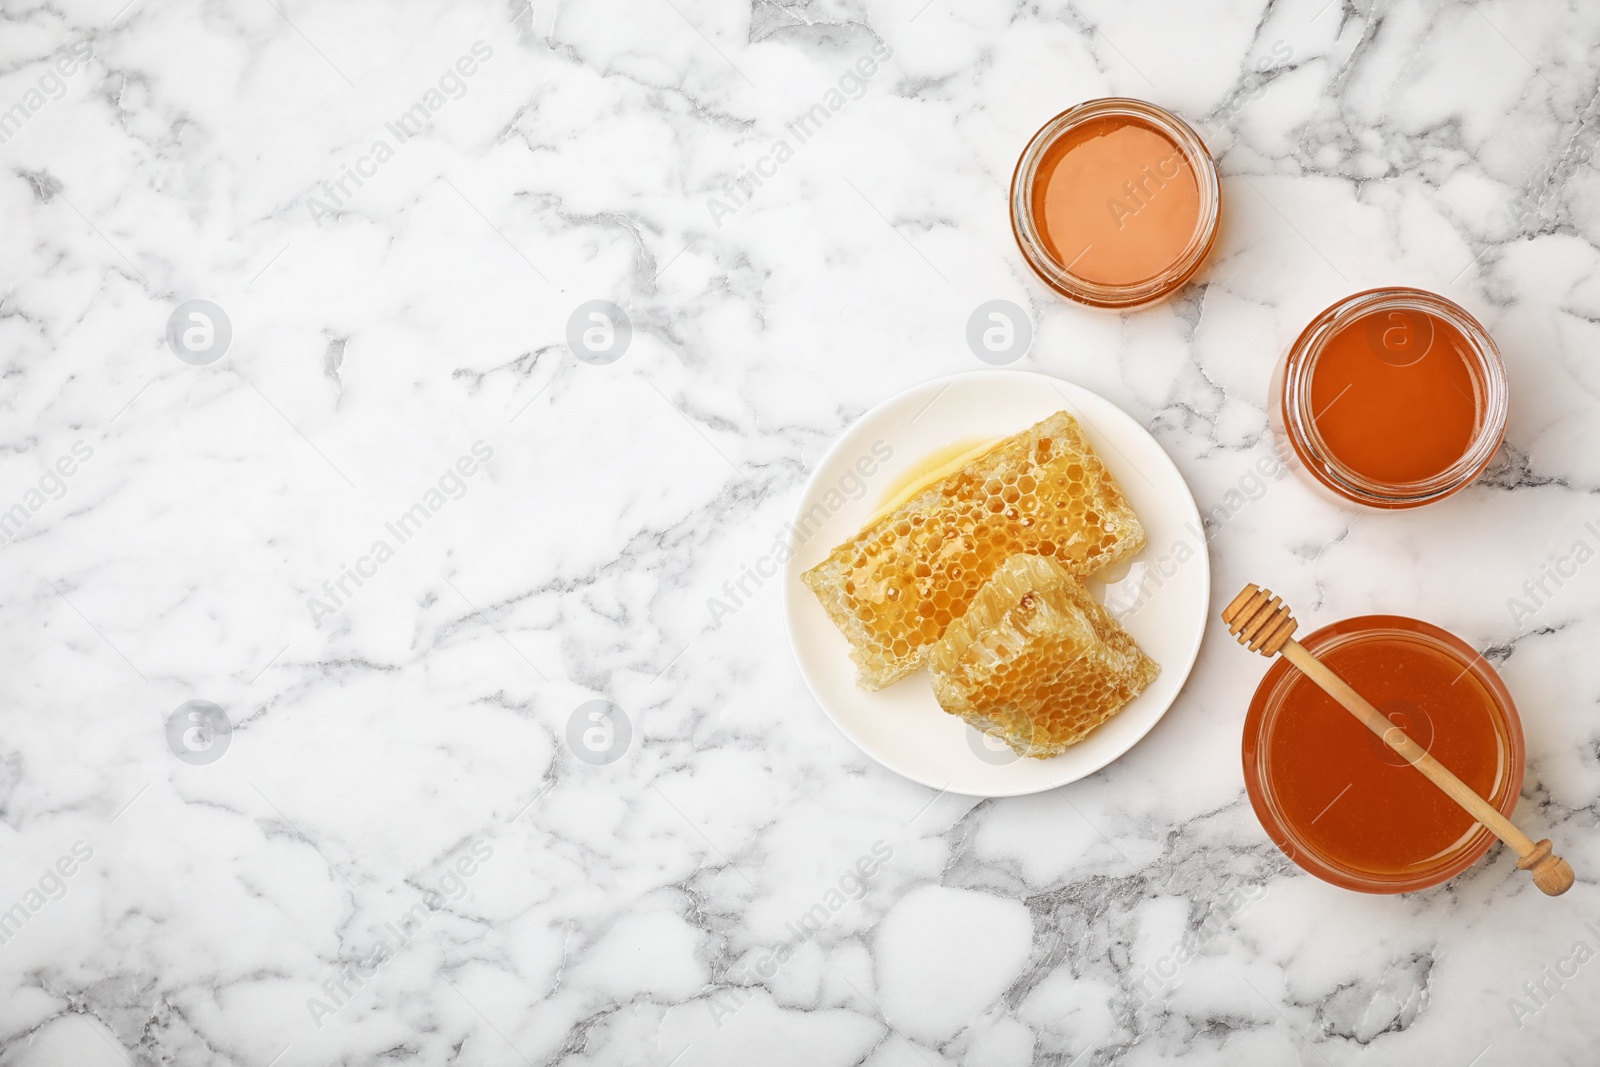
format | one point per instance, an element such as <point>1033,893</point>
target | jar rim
<point>1300,420</point>
<point>1269,700</point>
<point>1097,294</point>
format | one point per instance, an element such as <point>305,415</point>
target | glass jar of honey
<point>1115,202</point>
<point>1391,398</point>
<point>1344,806</point>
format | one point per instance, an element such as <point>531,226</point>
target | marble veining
<point>506,789</point>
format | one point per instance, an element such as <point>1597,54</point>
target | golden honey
<point>1036,661</point>
<point>894,588</point>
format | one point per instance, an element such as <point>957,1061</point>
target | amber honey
<point>1393,398</point>
<point>1115,202</point>
<point>1344,806</point>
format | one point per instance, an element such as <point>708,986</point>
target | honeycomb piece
<point>1036,661</point>
<point>894,587</point>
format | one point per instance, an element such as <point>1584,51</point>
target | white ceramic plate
<point>1161,596</point>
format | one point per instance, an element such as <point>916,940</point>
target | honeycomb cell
<point>1043,492</point>
<point>1035,661</point>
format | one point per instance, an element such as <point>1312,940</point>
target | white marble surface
<point>636,912</point>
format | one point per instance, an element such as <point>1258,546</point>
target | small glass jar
<point>1283,753</point>
<point>1188,250</point>
<point>1294,411</point>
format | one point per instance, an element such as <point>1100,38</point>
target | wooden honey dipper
<point>1262,623</point>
